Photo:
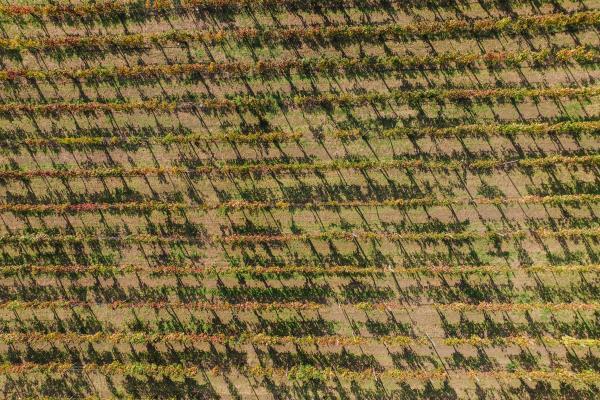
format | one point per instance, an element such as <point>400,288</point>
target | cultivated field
<point>300,199</point>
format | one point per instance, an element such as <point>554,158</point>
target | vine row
<point>263,339</point>
<point>313,66</point>
<point>170,138</point>
<point>148,206</point>
<point>310,103</point>
<point>37,239</point>
<point>281,271</point>
<point>301,167</point>
<point>458,28</point>
<point>301,373</point>
<point>16,305</point>
<point>136,8</point>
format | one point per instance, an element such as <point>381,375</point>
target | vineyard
<point>300,199</point>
